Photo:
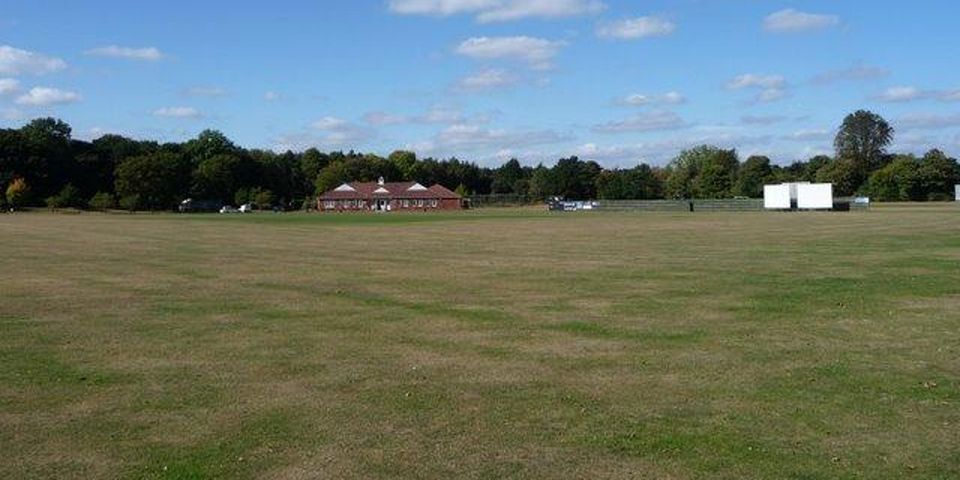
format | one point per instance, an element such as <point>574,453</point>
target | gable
<point>345,188</point>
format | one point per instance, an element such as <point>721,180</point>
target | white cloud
<point>909,94</point>
<point>634,28</point>
<point>901,94</point>
<point>437,115</point>
<point>771,95</point>
<point>498,10</point>
<point>794,21</point>
<point>334,132</point>
<point>384,118</point>
<point>855,73</point>
<point>928,121</point>
<point>12,114</point>
<point>470,138</point>
<point>660,152</point>
<point>771,87</point>
<point>762,119</point>
<point>750,80</point>
<point>538,53</point>
<point>640,100</point>
<point>177,112</point>
<point>8,86</point>
<point>14,61</point>
<point>486,80</point>
<point>950,95</point>
<point>45,96</point>
<point>271,96</point>
<point>209,91</point>
<point>808,135</point>
<point>329,123</point>
<point>646,122</point>
<point>149,54</point>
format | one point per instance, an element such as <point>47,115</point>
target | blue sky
<point>619,82</point>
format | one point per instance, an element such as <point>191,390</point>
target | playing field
<point>486,344</point>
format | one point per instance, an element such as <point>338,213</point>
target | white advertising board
<point>776,197</point>
<point>815,196</point>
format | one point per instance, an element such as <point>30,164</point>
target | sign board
<point>956,192</point>
<point>776,197</point>
<point>815,196</point>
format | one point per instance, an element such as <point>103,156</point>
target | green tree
<point>717,177</point>
<point>702,172</point>
<point>843,174</point>
<point>69,196</point>
<point>575,179</point>
<point>47,130</point>
<point>506,177</point>
<point>754,174</point>
<point>938,174</point>
<point>405,162</point>
<point>157,180</point>
<point>541,183</point>
<point>898,181</point>
<point>130,203</point>
<point>636,183</point>
<point>863,139</point>
<point>331,177</point>
<point>262,198</point>
<point>217,177</point>
<point>102,201</point>
<point>311,163</point>
<point>208,144</point>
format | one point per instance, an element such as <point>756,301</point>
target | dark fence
<point>695,205</point>
<point>485,201</point>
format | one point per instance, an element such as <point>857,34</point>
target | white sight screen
<point>815,196</point>
<point>776,197</point>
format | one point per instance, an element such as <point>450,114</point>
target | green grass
<point>482,344</point>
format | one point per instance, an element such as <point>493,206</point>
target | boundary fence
<point>694,205</point>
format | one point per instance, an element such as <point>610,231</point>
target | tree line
<point>41,164</point>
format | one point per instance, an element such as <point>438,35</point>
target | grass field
<point>493,344</point>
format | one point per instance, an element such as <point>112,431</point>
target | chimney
<point>380,181</point>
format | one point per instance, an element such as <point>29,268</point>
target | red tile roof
<point>397,190</point>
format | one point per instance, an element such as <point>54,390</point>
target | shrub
<point>102,201</point>
<point>18,192</point>
<point>68,197</point>
<point>130,202</point>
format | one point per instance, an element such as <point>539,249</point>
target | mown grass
<point>485,344</point>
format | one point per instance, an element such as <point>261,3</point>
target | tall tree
<point>863,139</point>
<point>754,173</point>
<point>404,161</point>
<point>938,174</point>
<point>156,181</point>
<point>702,172</point>
<point>506,177</point>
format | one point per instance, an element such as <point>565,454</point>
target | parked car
<point>228,209</point>
<point>246,208</point>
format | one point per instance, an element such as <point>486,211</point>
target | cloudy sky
<point>615,81</point>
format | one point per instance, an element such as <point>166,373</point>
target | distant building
<point>388,196</point>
